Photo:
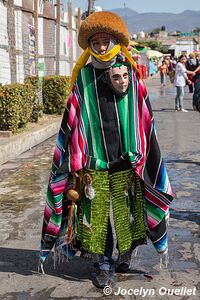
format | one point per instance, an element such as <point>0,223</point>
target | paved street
<point>23,184</point>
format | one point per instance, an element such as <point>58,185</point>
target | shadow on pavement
<point>165,110</point>
<point>25,262</point>
<point>193,216</point>
<point>183,161</point>
<point>172,110</point>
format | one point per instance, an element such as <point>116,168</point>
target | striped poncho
<point>83,142</point>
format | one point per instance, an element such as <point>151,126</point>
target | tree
<point>154,45</point>
<point>197,29</point>
<point>156,30</point>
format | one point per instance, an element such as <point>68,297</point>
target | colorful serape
<point>82,143</point>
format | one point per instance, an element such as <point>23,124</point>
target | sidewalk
<point>34,134</point>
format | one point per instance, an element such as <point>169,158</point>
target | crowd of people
<point>182,71</point>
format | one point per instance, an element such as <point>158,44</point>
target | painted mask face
<point>119,78</point>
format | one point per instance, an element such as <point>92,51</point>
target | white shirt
<point>180,75</point>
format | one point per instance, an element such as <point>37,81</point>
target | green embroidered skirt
<point>121,192</point>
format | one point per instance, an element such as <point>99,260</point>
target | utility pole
<point>78,27</point>
<point>11,40</point>
<point>90,6</point>
<point>35,14</point>
<point>71,54</point>
<point>79,18</point>
<point>58,37</point>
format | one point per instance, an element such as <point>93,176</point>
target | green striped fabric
<point>91,115</point>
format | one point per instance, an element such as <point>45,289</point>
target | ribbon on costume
<point>103,57</point>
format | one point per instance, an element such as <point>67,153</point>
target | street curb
<point>13,146</point>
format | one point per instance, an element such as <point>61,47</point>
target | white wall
<point>67,41</point>
<point>184,45</point>
<point>5,75</point>
<point>75,45</point>
<point>65,68</point>
<point>40,6</point>
<point>64,41</point>
<point>20,68</point>
<point>18,2</point>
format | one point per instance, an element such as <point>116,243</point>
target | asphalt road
<point>23,184</point>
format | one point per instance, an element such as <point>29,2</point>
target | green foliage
<point>9,107</point>
<point>197,29</point>
<point>36,86</point>
<point>33,80</point>
<point>55,93</point>
<point>37,111</point>
<point>15,106</point>
<point>26,104</point>
<point>19,103</point>
<point>156,30</point>
<point>154,45</point>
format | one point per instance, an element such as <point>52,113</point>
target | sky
<point>173,6</point>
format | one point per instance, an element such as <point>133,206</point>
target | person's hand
<point>189,81</point>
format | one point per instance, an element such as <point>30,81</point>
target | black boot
<point>103,278</point>
<point>123,267</point>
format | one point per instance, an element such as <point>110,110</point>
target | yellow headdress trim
<point>108,55</point>
<point>103,57</point>
<point>79,65</point>
<point>129,57</point>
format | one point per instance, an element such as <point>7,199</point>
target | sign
<point>189,34</point>
<point>42,69</point>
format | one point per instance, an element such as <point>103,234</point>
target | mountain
<point>185,21</point>
<point>125,12</point>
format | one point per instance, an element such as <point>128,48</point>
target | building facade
<point>36,38</point>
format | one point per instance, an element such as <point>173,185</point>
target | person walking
<point>152,68</point>
<point>107,155</point>
<point>191,65</point>
<point>180,81</point>
<point>163,73</point>
<point>196,95</point>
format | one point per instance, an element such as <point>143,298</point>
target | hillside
<point>185,21</point>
